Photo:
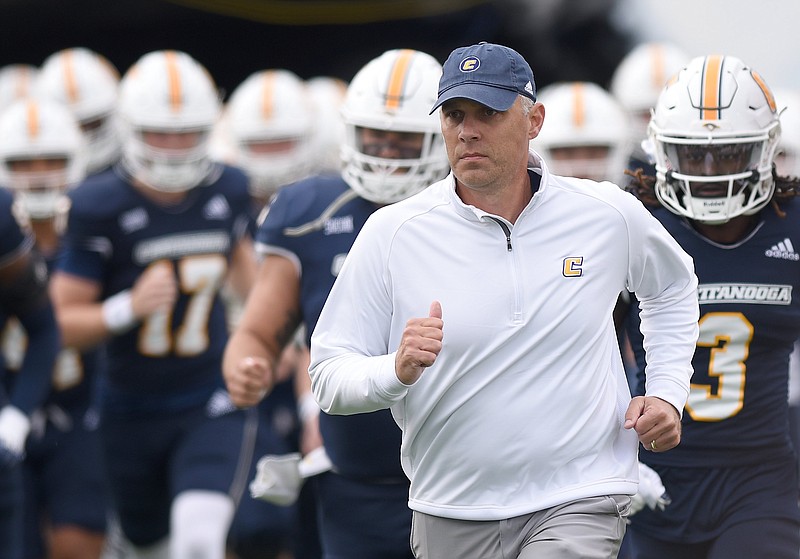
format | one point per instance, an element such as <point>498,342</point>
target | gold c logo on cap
<point>470,64</point>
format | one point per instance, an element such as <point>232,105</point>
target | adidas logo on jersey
<point>784,250</point>
<point>217,208</point>
<point>133,220</point>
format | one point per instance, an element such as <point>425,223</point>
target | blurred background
<point>763,34</point>
<point>562,39</point>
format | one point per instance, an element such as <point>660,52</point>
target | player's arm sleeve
<point>25,296</point>
<point>661,274</point>
<point>351,370</point>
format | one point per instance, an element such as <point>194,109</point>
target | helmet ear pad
<point>393,93</point>
<point>168,92</point>
<point>714,107</point>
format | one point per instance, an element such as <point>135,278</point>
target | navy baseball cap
<point>489,74</point>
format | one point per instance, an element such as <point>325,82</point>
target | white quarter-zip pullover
<point>524,407</point>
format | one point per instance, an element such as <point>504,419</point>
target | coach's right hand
<point>420,345</point>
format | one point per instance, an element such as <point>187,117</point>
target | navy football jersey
<point>315,222</point>
<point>25,298</point>
<point>73,375</point>
<point>749,295</point>
<point>13,241</point>
<point>171,360</point>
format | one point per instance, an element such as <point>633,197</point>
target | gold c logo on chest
<point>572,267</point>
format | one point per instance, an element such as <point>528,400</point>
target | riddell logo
<point>784,250</point>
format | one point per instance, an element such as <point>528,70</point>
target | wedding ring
<point>653,445</point>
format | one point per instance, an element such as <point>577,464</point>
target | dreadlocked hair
<point>786,188</point>
<point>643,187</point>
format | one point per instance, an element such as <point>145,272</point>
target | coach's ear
<point>536,120</point>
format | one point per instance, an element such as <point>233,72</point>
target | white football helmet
<point>88,84</point>
<point>327,93</point>
<point>40,129</point>
<point>787,157</point>
<point>167,92</point>
<point>393,92</point>
<point>639,78</point>
<point>582,116</point>
<point>715,129</point>
<point>269,117</point>
<point>16,82</point>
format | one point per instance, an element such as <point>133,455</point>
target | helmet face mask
<point>715,181</point>
<point>168,94</point>
<point>171,159</point>
<point>715,131</point>
<point>39,185</point>
<point>590,162</point>
<point>393,147</point>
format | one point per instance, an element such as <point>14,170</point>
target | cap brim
<point>492,97</point>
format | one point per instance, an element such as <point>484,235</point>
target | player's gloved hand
<point>279,477</point>
<point>14,429</point>
<point>651,491</point>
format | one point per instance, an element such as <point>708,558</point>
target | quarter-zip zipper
<point>516,277</point>
<point>505,229</point>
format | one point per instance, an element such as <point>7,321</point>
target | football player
<point>269,120</point>
<point>88,84</point>
<point>23,294</point>
<point>266,130</point>
<point>392,149</point>
<point>146,251</point>
<point>41,156</point>
<point>635,84</point>
<point>733,479</point>
<point>586,134</point>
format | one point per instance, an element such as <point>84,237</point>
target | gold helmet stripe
<point>658,67</point>
<point>712,81</point>
<point>33,119</point>
<point>70,80</point>
<point>578,105</point>
<point>173,80</point>
<point>268,94</point>
<point>397,79</point>
<point>765,90</point>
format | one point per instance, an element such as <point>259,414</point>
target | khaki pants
<point>590,528</point>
